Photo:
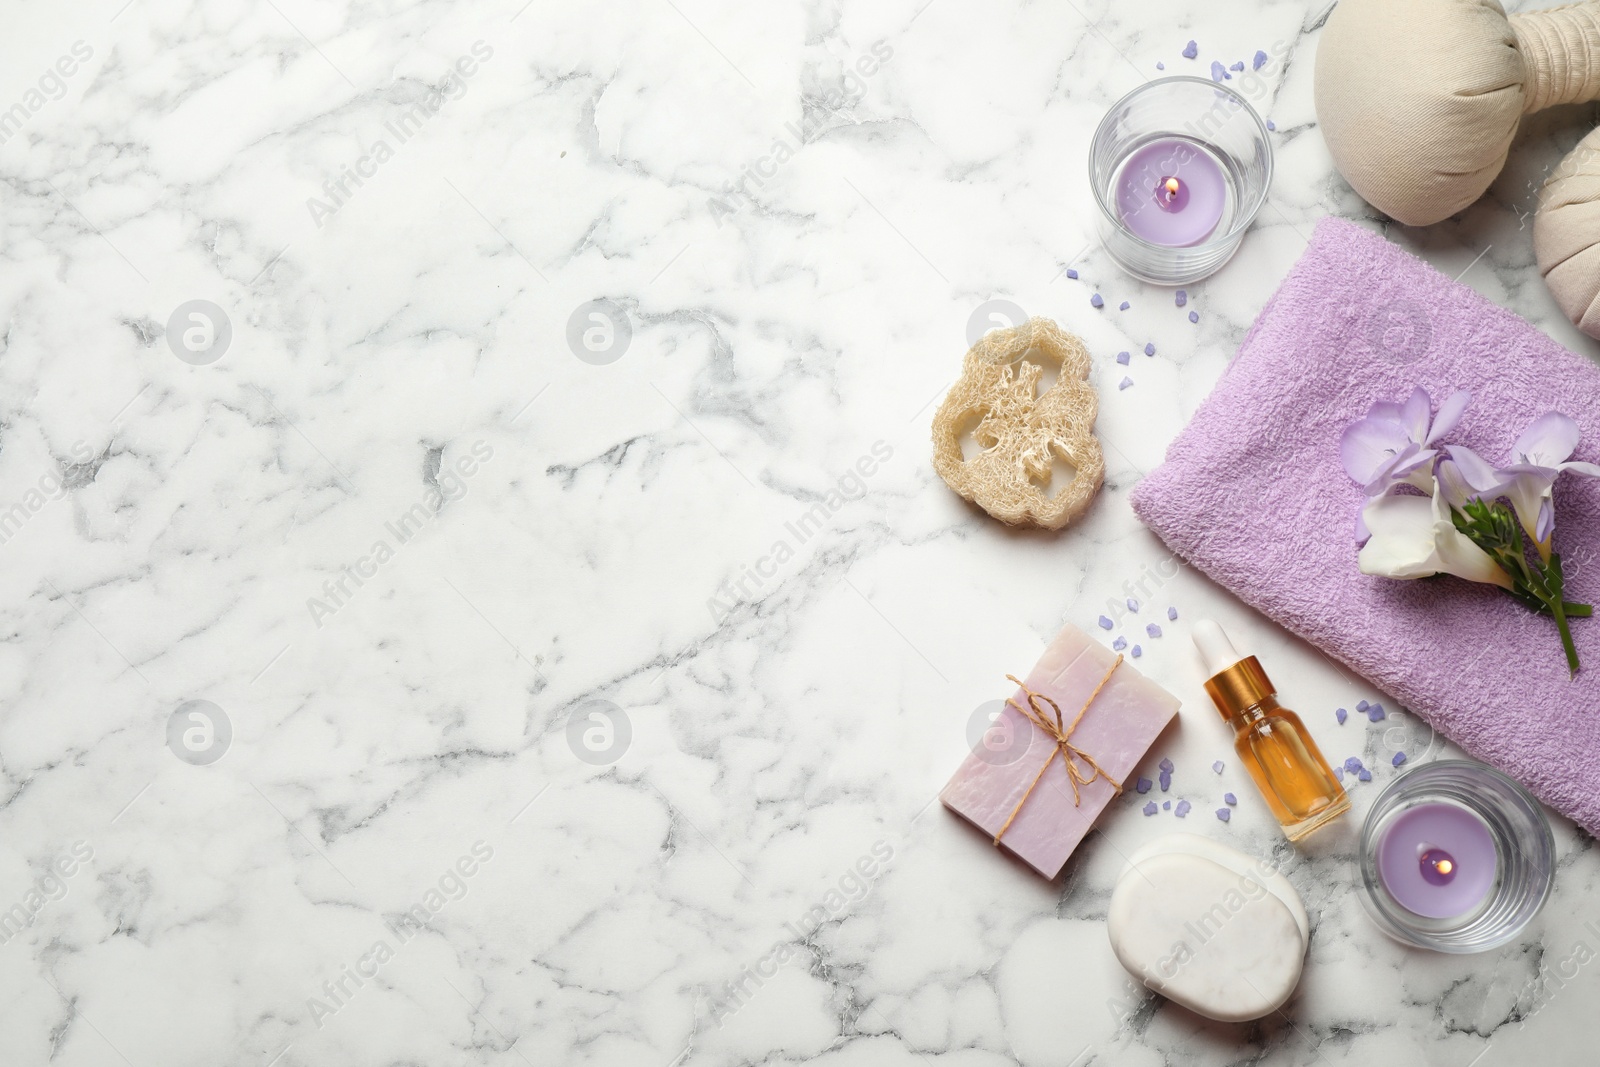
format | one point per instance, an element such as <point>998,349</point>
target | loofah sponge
<point>1020,430</point>
<point>1566,235</point>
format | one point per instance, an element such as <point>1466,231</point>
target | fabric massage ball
<point>1566,234</point>
<point>1419,100</point>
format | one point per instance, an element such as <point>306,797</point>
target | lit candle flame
<point>1173,185</point>
<point>1445,866</point>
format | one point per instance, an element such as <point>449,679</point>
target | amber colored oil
<point>1287,767</point>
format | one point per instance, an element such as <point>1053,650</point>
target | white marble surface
<point>778,733</point>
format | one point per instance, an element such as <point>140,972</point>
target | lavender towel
<point>1253,493</point>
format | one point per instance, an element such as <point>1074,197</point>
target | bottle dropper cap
<point>1235,682</point>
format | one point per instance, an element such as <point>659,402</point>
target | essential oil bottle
<point>1272,742</point>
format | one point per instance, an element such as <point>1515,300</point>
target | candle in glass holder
<point>1438,860</point>
<point>1171,192</point>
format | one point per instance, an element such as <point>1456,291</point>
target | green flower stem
<point>1537,583</point>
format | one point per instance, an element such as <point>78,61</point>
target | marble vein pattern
<point>475,588</point>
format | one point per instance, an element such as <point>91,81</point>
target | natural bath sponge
<point>1566,234</point>
<point>1419,100</point>
<point>1021,430</point>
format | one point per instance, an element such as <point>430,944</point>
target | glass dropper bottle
<point>1271,741</point>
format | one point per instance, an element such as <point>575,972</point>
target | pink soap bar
<point>1118,729</point>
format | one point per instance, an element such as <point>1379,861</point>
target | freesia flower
<point>1539,457</point>
<point>1415,537</point>
<point>1393,445</point>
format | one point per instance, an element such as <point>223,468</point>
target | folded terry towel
<point>1253,493</point>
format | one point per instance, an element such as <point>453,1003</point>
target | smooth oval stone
<point>1217,942</point>
<point>1237,862</point>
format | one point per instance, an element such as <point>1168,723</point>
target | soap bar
<point>1116,731</point>
<point>1209,928</point>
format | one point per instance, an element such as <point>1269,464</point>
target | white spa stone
<point>1219,938</point>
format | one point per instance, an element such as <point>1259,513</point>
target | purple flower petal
<point>1230,799</point>
<point>1137,652</point>
<point>1191,50</point>
<point>1450,410</point>
<point>1119,644</point>
<point>1122,358</point>
<point>1182,809</point>
<point>1124,383</point>
<point>1341,715</point>
<point>1167,765</point>
<point>1550,440</point>
<point>1152,630</point>
<point>1224,814</point>
<point>1143,785</point>
<point>1149,349</point>
<point>1150,808</point>
<point>1097,301</point>
<point>1105,623</point>
<point>1261,59</point>
<point>1194,316</point>
<point>1217,766</point>
<point>1371,446</point>
<point>1172,614</point>
<point>1182,298</point>
<point>1399,758</point>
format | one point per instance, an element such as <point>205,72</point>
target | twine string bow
<point>1070,753</point>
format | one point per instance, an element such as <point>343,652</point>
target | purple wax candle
<point>1437,860</point>
<point>1171,192</point>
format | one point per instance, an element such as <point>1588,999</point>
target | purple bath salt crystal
<point>1166,780</point>
<point>1237,66</point>
<point>1230,799</point>
<point>1224,814</point>
<point>1105,623</point>
<point>1166,805</point>
<point>1133,605</point>
<point>1122,358</point>
<point>1341,715</point>
<point>1097,301</point>
<point>1143,785</point>
<point>1217,766</point>
<point>1338,774</point>
<point>1119,644</point>
<point>1124,383</point>
<point>1218,71</point>
<point>1183,297</point>
<point>1072,274</point>
<point>1152,629</point>
<point>1125,306</point>
<point>1352,764</point>
<point>1167,765</point>
<point>1149,349</point>
<point>1271,126</point>
<point>1399,758</point>
<point>1161,66</point>
<point>1364,774</point>
<point>1376,712</point>
<point>1150,808</point>
<point>1194,316</point>
<point>1362,706</point>
<point>1172,614</point>
<point>1259,61</point>
<point>1182,809</point>
<point>1191,50</point>
<point>1137,652</point>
